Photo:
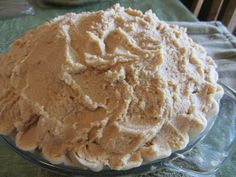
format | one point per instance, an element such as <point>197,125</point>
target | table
<point>11,165</point>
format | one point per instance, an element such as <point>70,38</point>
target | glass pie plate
<point>203,155</point>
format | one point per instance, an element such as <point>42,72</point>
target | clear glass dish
<point>203,155</point>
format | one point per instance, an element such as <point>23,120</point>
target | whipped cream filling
<point>108,88</point>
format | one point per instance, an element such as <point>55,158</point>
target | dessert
<point>109,88</point>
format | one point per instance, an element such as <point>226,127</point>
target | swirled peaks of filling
<point>109,88</point>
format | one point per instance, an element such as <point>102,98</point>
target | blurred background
<point>212,10</point>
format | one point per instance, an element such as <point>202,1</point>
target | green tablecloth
<point>219,43</point>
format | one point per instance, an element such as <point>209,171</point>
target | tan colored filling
<point>112,87</point>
